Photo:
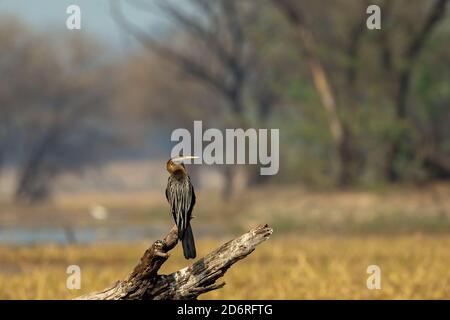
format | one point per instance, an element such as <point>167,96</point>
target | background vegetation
<point>365,145</point>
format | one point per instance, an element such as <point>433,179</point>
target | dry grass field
<point>322,244</point>
<point>287,267</point>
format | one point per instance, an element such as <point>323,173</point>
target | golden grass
<point>286,267</point>
<point>405,231</point>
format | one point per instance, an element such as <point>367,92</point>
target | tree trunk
<point>401,145</point>
<point>347,159</point>
<point>228,182</point>
<point>1,162</point>
<point>33,181</point>
<point>322,84</point>
<point>144,283</point>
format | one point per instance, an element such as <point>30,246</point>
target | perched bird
<point>181,197</point>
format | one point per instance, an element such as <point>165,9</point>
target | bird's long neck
<point>180,175</point>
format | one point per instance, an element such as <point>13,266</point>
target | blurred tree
<point>400,65</point>
<point>54,107</point>
<point>351,80</point>
<point>215,51</point>
<point>244,61</point>
<point>341,132</point>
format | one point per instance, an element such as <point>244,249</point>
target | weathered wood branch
<point>144,282</point>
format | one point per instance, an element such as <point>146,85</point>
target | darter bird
<point>181,197</point>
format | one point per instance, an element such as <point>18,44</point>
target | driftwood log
<point>144,282</point>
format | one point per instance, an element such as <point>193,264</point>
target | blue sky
<point>96,20</point>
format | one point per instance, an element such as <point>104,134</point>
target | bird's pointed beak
<point>180,159</point>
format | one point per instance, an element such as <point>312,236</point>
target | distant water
<point>23,236</point>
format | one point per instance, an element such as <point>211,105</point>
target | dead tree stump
<point>144,282</point>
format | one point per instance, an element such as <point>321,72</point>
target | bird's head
<point>176,165</point>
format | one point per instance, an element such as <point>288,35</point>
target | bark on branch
<point>144,282</point>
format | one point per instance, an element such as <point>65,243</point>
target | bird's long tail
<point>188,243</point>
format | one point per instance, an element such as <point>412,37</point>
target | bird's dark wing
<point>194,198</point>
<point>181,197</point>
